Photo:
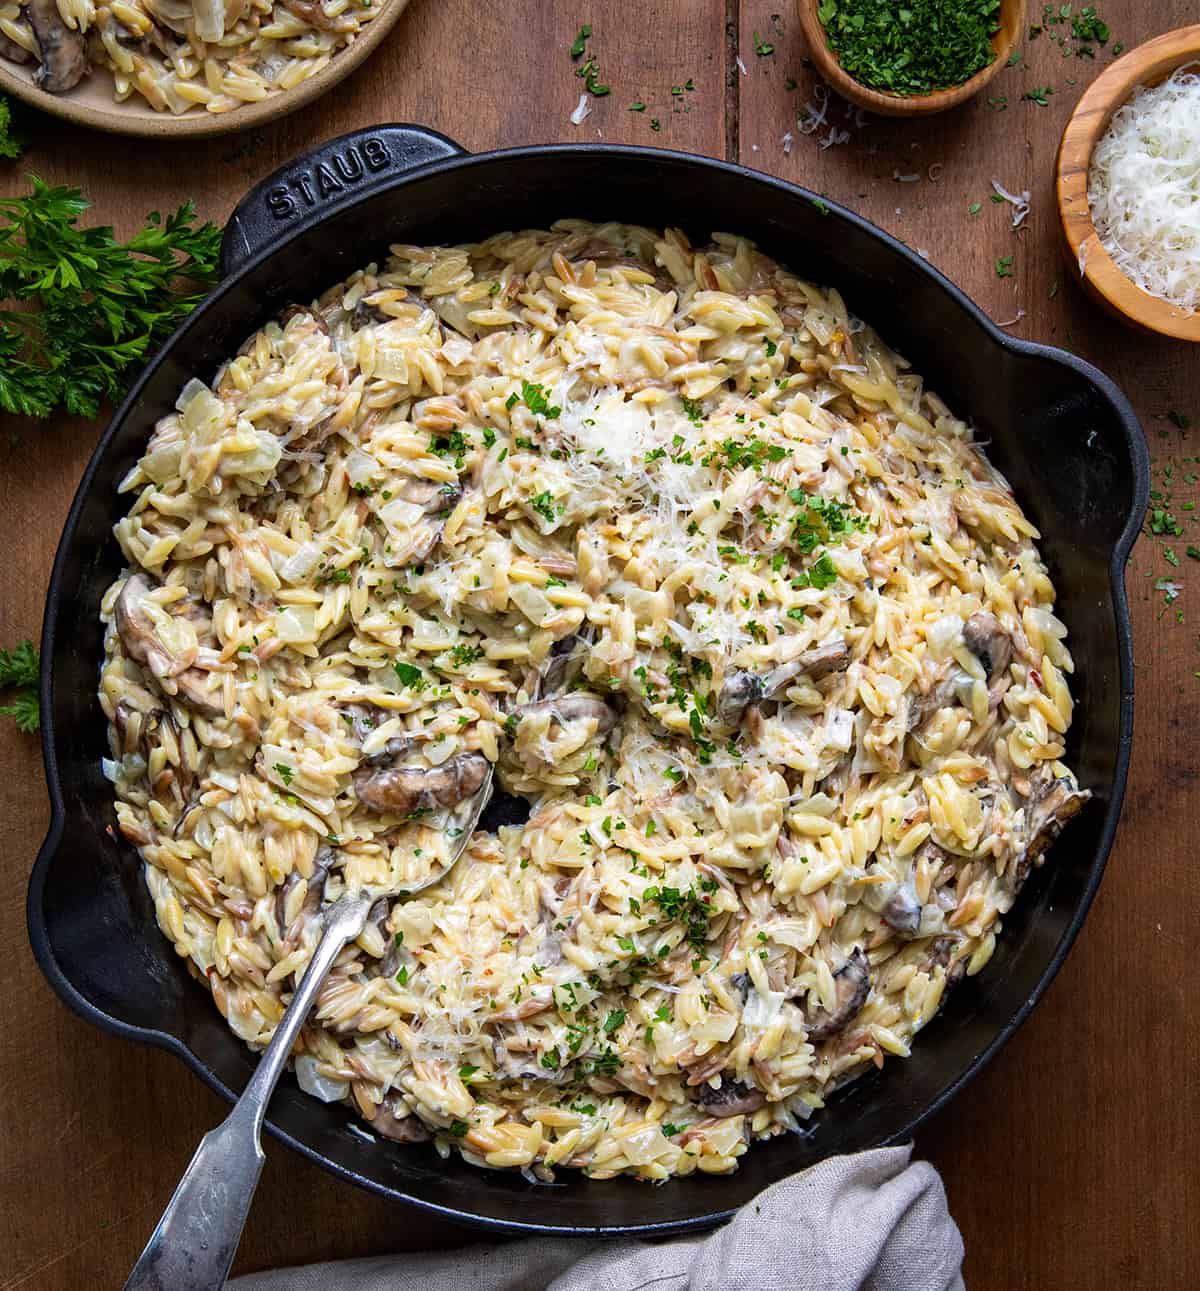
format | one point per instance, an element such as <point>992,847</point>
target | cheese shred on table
<point>721,590</point>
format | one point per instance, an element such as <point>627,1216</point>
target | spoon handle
<point>196,1239</point>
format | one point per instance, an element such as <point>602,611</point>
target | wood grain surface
<point>1072,1161</point>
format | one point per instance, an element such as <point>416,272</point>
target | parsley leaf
<point>410,676</point>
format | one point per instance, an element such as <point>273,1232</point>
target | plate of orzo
<point>183,67</point>
<point>790,652</point>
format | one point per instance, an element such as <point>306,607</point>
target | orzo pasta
<point>718,586</point>
<point>181,55</point>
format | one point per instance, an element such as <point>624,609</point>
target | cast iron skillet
<point>1060,430</point>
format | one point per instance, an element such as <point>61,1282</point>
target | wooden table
<point>1072,1161</point>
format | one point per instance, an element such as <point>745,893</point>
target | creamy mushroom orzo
<point>181,55</point>
<point>695,560</point>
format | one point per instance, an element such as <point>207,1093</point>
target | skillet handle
<point>318,180</point>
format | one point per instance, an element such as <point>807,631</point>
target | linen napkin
<point>873,1221</point>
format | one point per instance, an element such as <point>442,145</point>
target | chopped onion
<point>582,111</point>
<point>312,1082</point>
<point>300,563</point>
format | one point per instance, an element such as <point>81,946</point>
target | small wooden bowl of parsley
<point>912,59</point>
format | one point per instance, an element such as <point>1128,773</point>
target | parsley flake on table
<point>763,48</point>
<point>1039,95</point>
<point>1004,267</point>
<point>100,305</point>
<point>581,40</point>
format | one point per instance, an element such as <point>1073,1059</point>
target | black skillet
<point>1061,432</point>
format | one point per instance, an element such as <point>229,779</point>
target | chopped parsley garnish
<point>613,1021</point>
<point>693,409</point>
<point>466,1071</point>
<point>637,107</point>
<point>920,46</point>
<point>581,40</point>
<point>459,1129</point>
<point>465,654</point>
<point>1038,95</point>
<point>745,454</point>
<point>691,908</point>
<point>410,676</point>
<point>763,48</point>
<point>544,505</point>
<point>284,772</point>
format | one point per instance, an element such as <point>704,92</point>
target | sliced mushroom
<point>313,898</point>
<point>1052,803</point>
<point>989,643</point>
<point>742,688</point>
<point>402,791</point>
<point>581,706</point>
<point>853,983</point>
<point>313,13</point>
<point>62,52</point>
<point>941,955</point>
<point>402,1128</point>
<point>367,315</point>
<point>941,695</point>
<point>142,642</point>
<point>742,983</point>
<point>901,911</point>
<point>732,1098</point>
<point>557,665</point>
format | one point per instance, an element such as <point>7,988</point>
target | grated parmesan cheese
<point>1144,189</point>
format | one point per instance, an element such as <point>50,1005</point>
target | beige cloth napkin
<point>872,1221</point>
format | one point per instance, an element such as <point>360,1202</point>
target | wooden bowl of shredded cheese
<point>1128,186</point>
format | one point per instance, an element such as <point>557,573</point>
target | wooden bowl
<point>91,102</point>
<point>1012,23</point>
<point>1148,64</point>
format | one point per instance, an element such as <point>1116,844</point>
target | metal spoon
<point>197,1237</point>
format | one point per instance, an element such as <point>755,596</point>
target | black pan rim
<point>1138,457</point>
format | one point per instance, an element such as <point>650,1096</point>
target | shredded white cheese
<point>1018,201</point>
<point>1144,189</point>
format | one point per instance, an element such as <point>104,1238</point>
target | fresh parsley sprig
<point>19,671</point>
<point>101,305</point>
